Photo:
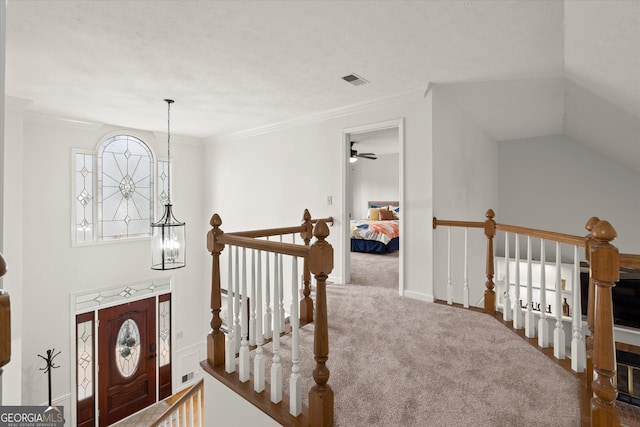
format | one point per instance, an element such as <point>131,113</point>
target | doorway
<point>127,358</point>
<point>384,140</point>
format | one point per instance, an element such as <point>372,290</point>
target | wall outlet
<point>329,200</point>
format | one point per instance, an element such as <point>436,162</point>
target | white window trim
<point>156,211</point>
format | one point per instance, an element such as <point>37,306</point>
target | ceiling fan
<point>355,155</point>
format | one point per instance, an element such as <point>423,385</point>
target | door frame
<point>346,193</point>
<point>79,301</point>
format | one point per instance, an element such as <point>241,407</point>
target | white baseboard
<point>419,296</point>
<point>335,279</point>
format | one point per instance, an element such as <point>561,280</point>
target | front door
<point>126,359</point>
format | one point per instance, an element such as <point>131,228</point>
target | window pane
<point>164,323</point>
<point>127,349</point>
<point>125,186</point>
<point>163,180</point>
<point>83,166</point>
<point>85,359</point>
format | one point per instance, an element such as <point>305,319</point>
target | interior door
<point>126,359</point>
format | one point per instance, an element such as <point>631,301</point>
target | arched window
<point>125,188</point>
<point>114,190</point>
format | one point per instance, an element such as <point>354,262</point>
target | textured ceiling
<point>234,66</point>
<point>520,68</point>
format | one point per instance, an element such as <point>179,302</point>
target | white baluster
<point>295,383</point>
<point>276,368</point>
<point>543,330</point>
<point>530,318</point>
<point>465,294</point>
<point>230,343</point>
<point>506,309</point>
<point>244,347</point>
<point>517,309</point>
<point>559,350</point>
<point>281,284</point>
<point>258,361</point>
<point>578,351</point>
<point>237,330</point>
<point>252,301</point>
<point>267,296</point>
<point>449,285</point>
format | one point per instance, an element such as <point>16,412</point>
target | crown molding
<point>178,139</point>
<point>17,104</point>
<point>45,119</point>
<point>387,101</point>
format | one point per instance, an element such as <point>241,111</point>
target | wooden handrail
<point>270,232</point>
<point>181,401</point>
<point>318,259</point>
<point>543,234</point>
<point>629,261</point>
<point>604,263</point>
<point>267,232</point>
<point>264,245</point>
<point>452,223</point>
<point>327,220</point>
<point>533,232</point>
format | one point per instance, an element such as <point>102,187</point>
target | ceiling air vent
<point>355,80</point>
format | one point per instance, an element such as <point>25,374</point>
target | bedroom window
<point>117,190</point>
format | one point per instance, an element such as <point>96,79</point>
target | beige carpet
<point>401,362</point>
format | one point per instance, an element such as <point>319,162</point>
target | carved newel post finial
<point>605,267</point>
<point>216,339</point>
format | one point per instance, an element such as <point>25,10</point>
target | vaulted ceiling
<point>520,68</point>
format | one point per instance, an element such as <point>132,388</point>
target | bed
<point>379,232</point>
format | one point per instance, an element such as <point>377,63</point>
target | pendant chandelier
<point>168,241</point>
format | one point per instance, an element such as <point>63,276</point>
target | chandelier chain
<point>169,102</point>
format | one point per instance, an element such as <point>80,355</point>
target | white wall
<point>224,407</point>
<point>12,220</point>
<point>268,179</point>
<point>53,270</point>
<point>374,180</point>
<point>3,33</point>
<point>555,183</point>
<point>465,186</point>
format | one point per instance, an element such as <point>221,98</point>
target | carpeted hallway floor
<point>401,362</point>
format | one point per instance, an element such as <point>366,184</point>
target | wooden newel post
<point>590,304</point>
<point>5,322</point>
<point>215,340</point>
<point>321,394</point>
<point>306,303</point>
<point>489,293</point>
<point>605,266</point>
